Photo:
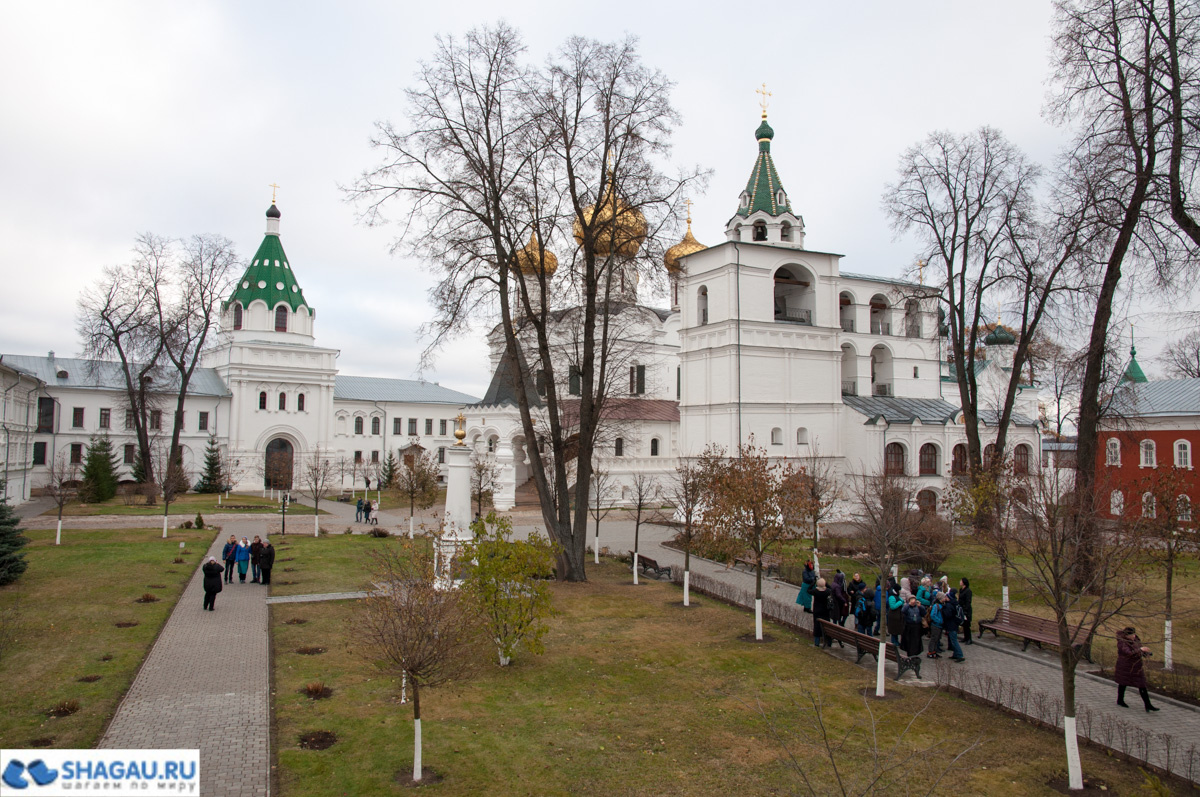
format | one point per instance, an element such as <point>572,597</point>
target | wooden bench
<point>868,645</point>
<point>769,562</point>
<point>648,565</point>
<point>1033,629</point>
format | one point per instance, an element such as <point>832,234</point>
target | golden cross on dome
<point>763,102</point>
<point>273,188</point>
<point>688,202</point>
<point>921,272</point>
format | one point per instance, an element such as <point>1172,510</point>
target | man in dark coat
<point>255,550</point>
<point>910,641</point>
<point>950,621</point>
<point>212,582</point>
<point>1129,670</point>
<point>266,560</point>
<point>822,601</point>
<point>229,555</point>
<point>964,600</point>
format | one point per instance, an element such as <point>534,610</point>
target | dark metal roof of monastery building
<point>104,375</point>
<point>371,388</point>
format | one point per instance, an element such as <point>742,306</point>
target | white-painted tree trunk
<point>758,619</point>
<point>596,545</point>
<point>403,688</point>
<point>218,499</point>
<point>416,750</point>
<point>1168,661</point>
<point>410,527</point>
<point>635,568</point>
<point>1004,602</point>
<point>504,660</point>
<point>164,527</point>
<point>816,563</point>
<point>58,541</point>
<point>316,526</point>
<point>1074,770</point>
<point>880,676</point>
<point>687,577</point>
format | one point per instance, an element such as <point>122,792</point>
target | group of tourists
<point>364,511</point>
<point>933,610</point>
<point>257,558</point>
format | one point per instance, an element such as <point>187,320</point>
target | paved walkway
<point>317,596</point>
<point>206,685</point>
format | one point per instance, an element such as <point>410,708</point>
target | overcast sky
<point>120,118</point>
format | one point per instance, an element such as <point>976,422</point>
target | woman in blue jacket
<point>229,557</point>
<point>243,559</point>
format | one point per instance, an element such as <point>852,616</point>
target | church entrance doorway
<point>278,471</point>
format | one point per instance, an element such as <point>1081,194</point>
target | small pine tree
<point>12,560</point>
<point>99,477</point>
<point>388,473</point>
<point>138,472</point>
<point>213,478</point>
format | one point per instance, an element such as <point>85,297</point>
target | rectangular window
<point>77,418</point>
<point>39,453</point>
<point>105,418</point>
<point>128,419</point>
<point>539,382</point>
<point>202,423</point>
<point>374,456</point>
<point>129,451</point>
<point>574,381</point>
<point>397,423</point>
<point>156,420</point>
<point>45,415</point>
<point>429,426</point>
<point>637,380</point>
<point>412,426</point>
<point>916,372</point>
<point>442,427</point>
<point>1183,454</point>
<point>358,456</point>
<point>76,453</point>
<point>679,384</point>
<point>442,451</point>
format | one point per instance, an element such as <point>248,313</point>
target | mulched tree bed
<point>89,679</point>
<point>317,740</point>
<point>313,651</point>
<point>64,708</point>
<point>41,741</point>
<point>1061,784</point>
<point>429,777</point>
<point>295,621</point>
<point>126,624</point>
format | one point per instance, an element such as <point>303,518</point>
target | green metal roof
<point>764,183</point>
<point>1134,372</point>
<point>269,277</point>
<point>1000,336</point>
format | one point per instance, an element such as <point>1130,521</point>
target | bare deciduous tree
<point>645,494</point>
<point>686,493</point>
<point>426,635</point>
<point>821,489</point>
<point>599,503</point>
<point>484,475</point>
<point>61,485</point>
<point>1182,357</point>
<point>170,476</point>
<point>416,479</point>
<point>316,476</point>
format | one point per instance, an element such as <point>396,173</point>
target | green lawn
<point>334,563</point>
<point>67,602</point>
<point>635,695</point>
<point>186,506</point>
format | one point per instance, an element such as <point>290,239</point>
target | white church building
<point>765,339</point>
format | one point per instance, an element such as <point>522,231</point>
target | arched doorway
<point>278,471</point>
<point>927,502</point>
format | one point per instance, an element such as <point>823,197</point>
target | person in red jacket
<point>1129,670</point>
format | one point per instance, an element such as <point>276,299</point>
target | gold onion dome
<point>532,259</point>
<point>619,229</point>
<point>688,246</point>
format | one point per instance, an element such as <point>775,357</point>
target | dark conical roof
<point>507,383</point>
<point>273,212</point>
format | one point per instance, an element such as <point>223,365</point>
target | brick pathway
<point>206,685</point>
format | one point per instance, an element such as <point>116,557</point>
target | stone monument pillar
<point>456,524</point>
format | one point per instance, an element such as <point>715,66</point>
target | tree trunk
<point>758,614</point>
<point>1003,584</point>
<point>596,541</point>
<point>1168,659</point>
<point>636,527</point>
<point>816,548</point>
<point>416,733</point>
<point>166,509</point>
<point>687,573</point>
<point>1070,737</point>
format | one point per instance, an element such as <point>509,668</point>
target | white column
<point>504,496</point>
<point>456,525</point>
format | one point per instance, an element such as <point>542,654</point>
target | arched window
<point>1021,460</point>
<point>776,436</point>
<point>358,425</point>
<point>1149,454</point>
<point>928,462</point>
<point>619,447</point>
<point>300,402</point>
<point>893,457</point>
<point>1020,496</point>
<point>491,445</point>
<point>927,502</point>
<point>654,447</point>
<point>989,454</point>
<point>802,436</point>
<point>958,460</point>
<point>760,231</point>
<point>283,401</point>
<point>281,318</point>
<point>1112,452</point>
<point>1183,509</point>
<point>1116,503</point>
<point>1148,508</point>
<point>1183,454</point>
<point>237,315</point>
<point>375,426</point>
<point>262,400</point>
<point>702,305</point>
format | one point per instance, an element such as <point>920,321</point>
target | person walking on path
<point>911,638</point>
<point>821,605</point>
<point>1130,671</point>
<point>243,559</point>
<point>864,611</point>
<point>358,511</point>
<point>951,617</point>
<point>266,560</point>
<point>936,627</point>
<point>255,550</point>
<point>841,601</point>
<point>212,582</point>
<point>808,580</point>
<point>964,600</point>
<point>895,615</point>
<point>229,556</point>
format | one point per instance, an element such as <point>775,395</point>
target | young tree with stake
<point>484,474</point>
<point>316,475</point>
<point>417,481</point>
<point>686,493</point>
<point>599,504</point>
<point>62,480</point>
<point>645,493</point>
